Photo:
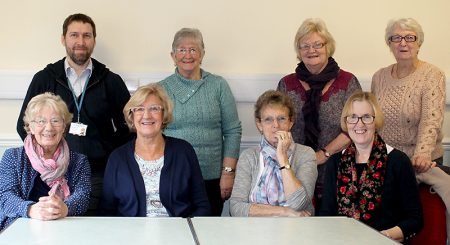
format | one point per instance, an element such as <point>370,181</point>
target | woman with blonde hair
<point>371,181</point>
<point>153,175</point>
<point>319,89</point>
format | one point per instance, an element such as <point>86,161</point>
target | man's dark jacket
<point>106,95</point>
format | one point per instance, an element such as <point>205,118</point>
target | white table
<point>274,231</point>
<point>98,231</point>
<point>208,230</point>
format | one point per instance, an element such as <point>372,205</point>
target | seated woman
<point>278,177</point>
<point>153,175</point>
<point>43,179</point>
<point>370,181</point>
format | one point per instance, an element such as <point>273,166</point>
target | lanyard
<point>82,97</point>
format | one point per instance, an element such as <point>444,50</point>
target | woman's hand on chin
<point>284,141</point>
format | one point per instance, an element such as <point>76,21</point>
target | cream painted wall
<point>250,37</point>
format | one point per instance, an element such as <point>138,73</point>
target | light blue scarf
<point>269,188</point>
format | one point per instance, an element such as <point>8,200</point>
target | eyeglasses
<point>307,46</point>
<point>271,120</point>
<point>184,51</point>
<point>153,109</point>
<point>398,38</point>
<point>354,119</point>
<point>42,122</point>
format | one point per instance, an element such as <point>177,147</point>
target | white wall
<point>249,42</point>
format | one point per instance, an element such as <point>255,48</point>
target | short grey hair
<point>314,25</point>
<point>49,100</point>
<point>191,33</point>
<point>408,24</point>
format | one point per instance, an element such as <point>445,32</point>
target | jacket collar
<point>57,71</point>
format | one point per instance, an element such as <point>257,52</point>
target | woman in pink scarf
<point>43,179</point>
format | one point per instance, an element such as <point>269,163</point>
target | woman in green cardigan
<point>205,115</point>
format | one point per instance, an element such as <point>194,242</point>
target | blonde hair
<point>314,25</point>
<point>141,95</point>
<point>362,96</point>
<point>49,100</point>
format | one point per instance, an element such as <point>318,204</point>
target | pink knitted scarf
<point>52,170</point>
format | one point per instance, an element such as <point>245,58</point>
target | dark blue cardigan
<point>181,187</point>
<point>400,202</point>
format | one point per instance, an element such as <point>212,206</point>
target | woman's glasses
<point>307,46</point>
<point>153,109</point>
<point>398,38</point>
<point>42,122</point>
<point>271,120</point>
<point>354,119</point>
<point>184,51</point>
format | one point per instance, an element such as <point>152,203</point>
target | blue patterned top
<point>17,179</point>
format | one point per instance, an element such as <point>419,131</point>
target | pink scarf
<point>52,170</point>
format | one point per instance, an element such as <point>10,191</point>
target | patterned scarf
<point>269,188</point>
<point>52,170</point>
<point>313,96</point>
<point>360,199</point>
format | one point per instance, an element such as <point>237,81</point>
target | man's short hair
<point>78,18</point>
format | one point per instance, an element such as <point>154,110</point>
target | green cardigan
<point>205,115</point>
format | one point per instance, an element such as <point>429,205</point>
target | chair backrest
<point>434,230</point>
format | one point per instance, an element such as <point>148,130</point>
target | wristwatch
<point>228,169</point>
<point>327,154</point>
<point>286,166</point>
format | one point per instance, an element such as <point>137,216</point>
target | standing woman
<point>411,93</point>
<point>205,115</point>
<point>319,89</point>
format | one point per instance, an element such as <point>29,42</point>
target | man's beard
<point>79,59</point>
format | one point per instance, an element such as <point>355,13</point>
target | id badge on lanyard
<point>78,128</point>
